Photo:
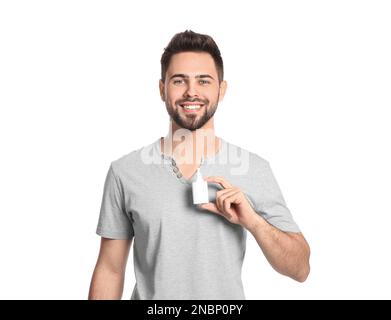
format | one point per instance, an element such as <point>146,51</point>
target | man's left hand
<point>231,203</point>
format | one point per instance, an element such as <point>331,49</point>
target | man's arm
<point>287,252</point>
<point>108,278</point>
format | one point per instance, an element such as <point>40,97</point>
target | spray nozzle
<point>200,188</point>
<point>199,175</point>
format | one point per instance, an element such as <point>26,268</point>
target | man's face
<point>191,89</point>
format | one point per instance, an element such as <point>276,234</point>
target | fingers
<point>218,207</point>
<point>225,199</point>
<point>220,180</point>
<point>210,206</point>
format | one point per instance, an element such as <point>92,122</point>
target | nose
<point>191,89</point>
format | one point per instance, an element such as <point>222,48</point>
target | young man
<point>184,250</point>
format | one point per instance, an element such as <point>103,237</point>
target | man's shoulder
<point>134,159</point>
<point>252,156</point>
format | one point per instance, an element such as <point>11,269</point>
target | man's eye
<point>204,81</point>
<point>178,81</point>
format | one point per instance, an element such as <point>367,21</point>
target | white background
<point>308,89</point>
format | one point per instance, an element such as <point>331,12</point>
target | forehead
<point>192,63</point>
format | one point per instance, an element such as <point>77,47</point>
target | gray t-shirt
<point>181,251</point>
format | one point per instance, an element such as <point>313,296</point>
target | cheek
<point>174,94</point>
<point>212,95</point>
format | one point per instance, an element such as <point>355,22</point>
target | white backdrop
<point>308,89</point>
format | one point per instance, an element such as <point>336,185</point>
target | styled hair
<point>195,42</point>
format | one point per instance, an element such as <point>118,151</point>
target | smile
<point>191,107</point>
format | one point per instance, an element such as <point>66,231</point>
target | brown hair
<point>192,41</point>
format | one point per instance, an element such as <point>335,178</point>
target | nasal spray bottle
<point>200,188</point>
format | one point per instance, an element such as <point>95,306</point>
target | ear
<point>223,88</point>
<point>161,89</point>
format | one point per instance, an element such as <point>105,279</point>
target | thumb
<point>210,207</point>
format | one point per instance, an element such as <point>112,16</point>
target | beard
<point>191,121</point>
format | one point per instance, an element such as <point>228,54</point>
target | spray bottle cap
<point>199,175</point>
<point>200,189</point>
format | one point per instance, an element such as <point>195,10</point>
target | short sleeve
<point>269,201</point>
<point>114,222</point>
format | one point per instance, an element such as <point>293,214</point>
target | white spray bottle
<point>200,189</point>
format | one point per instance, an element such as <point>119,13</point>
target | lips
<point>191,106</point>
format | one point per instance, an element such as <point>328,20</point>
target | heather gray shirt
<point>180,251</point>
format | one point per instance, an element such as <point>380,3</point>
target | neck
<point>189,146</point>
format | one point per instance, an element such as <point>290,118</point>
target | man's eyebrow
<point>182,75</point>
<point>204,76</point>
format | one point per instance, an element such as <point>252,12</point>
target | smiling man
<point>183,250</point>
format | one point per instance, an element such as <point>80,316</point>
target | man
<point>184,250</point>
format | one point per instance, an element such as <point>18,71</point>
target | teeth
<point>192,107</point>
